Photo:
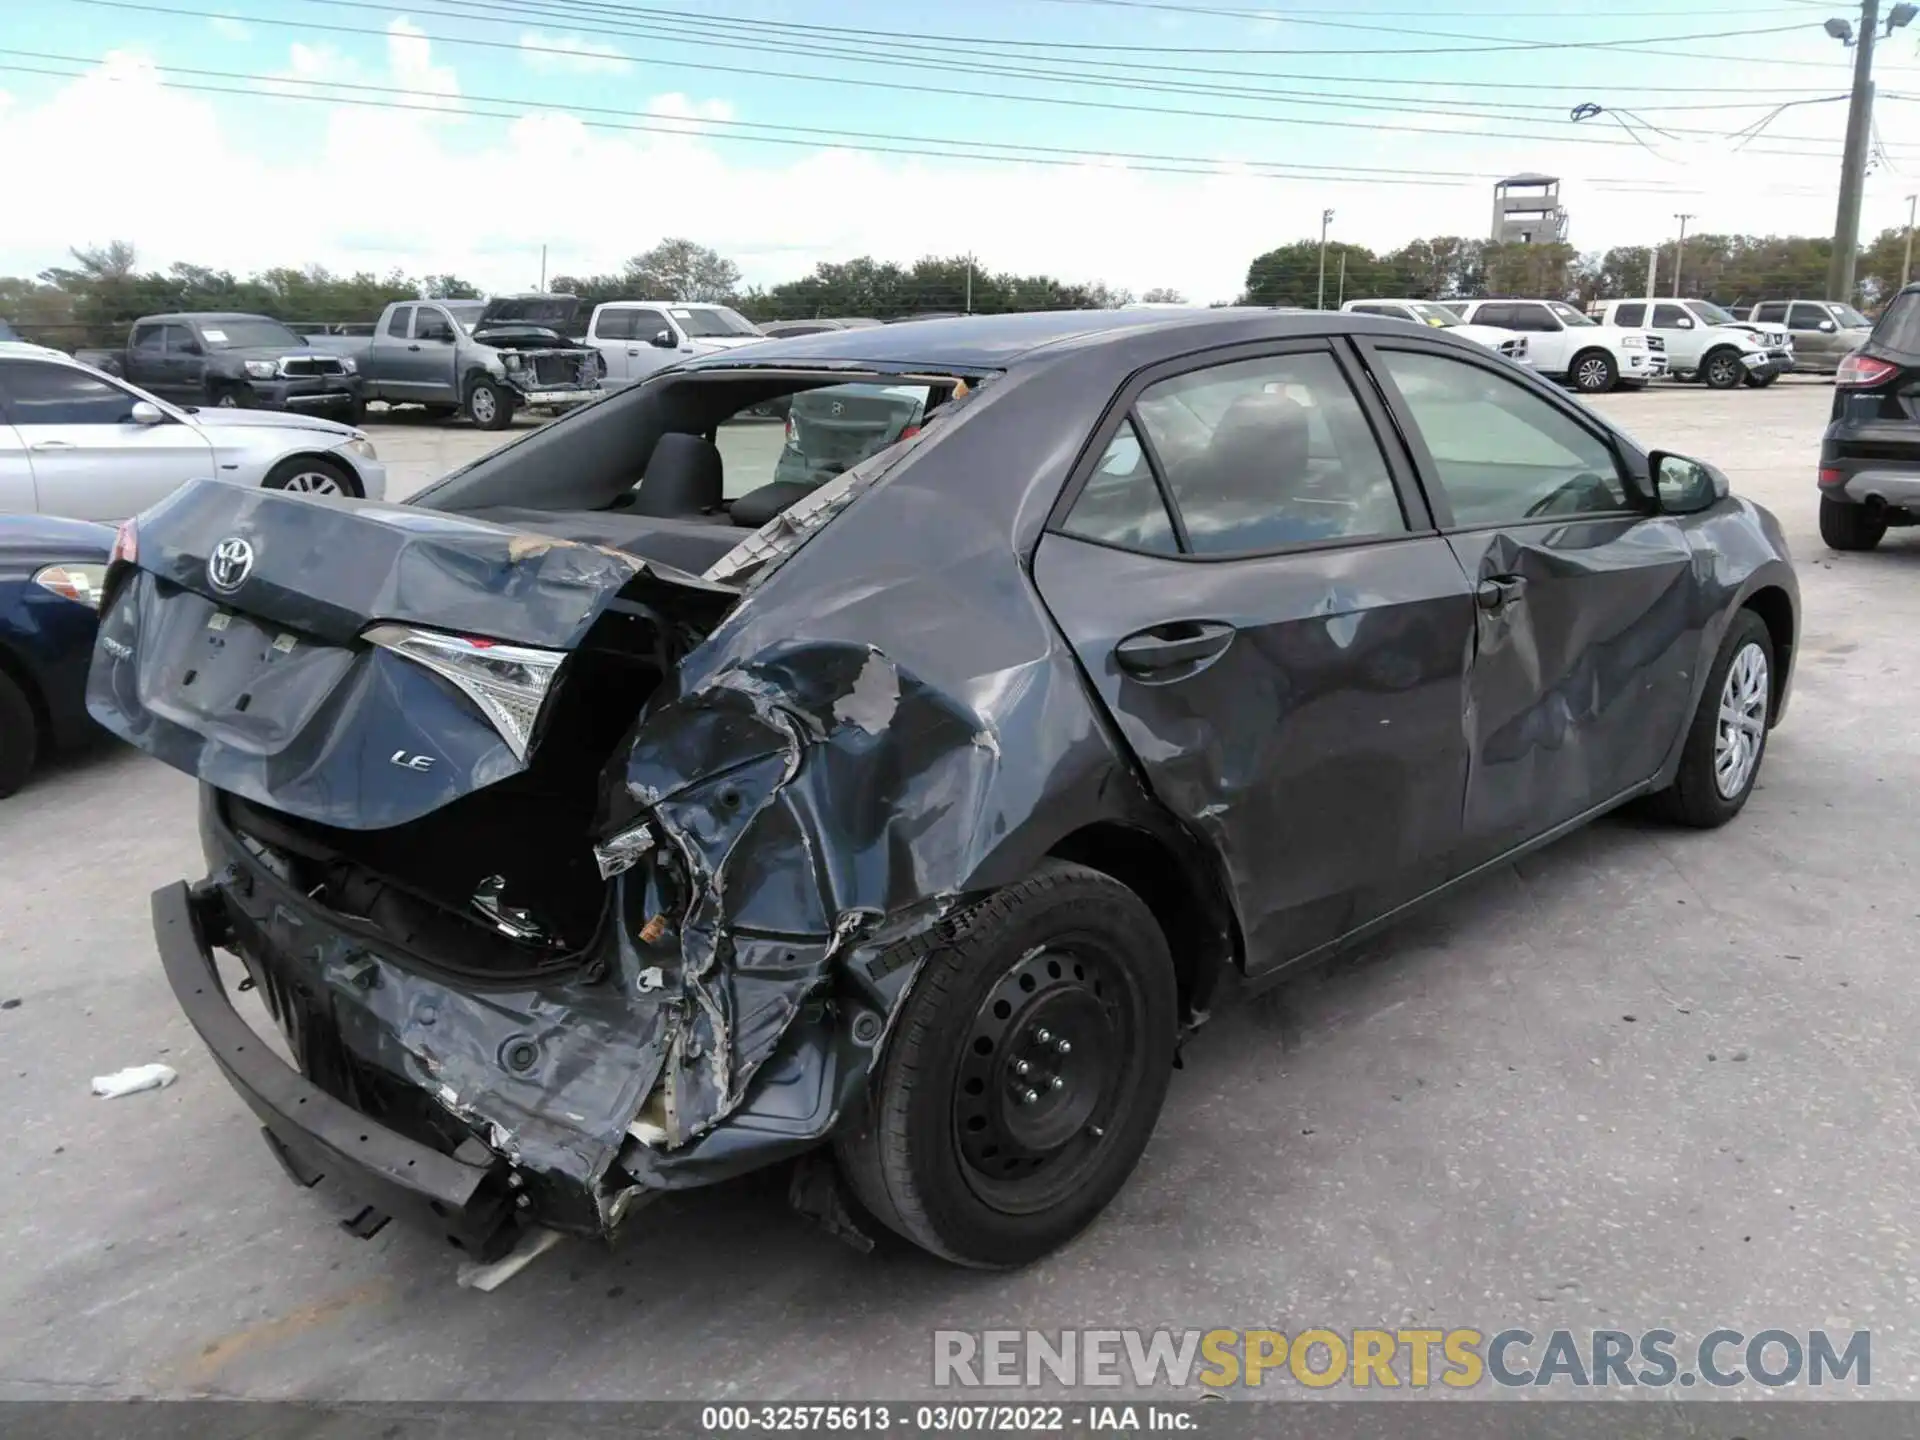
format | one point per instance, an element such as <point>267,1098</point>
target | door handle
<point>413,347</point>
<point>633,352</point>
<point>1497,592</point>
<point>51,445</point>
<point>1179,642</point>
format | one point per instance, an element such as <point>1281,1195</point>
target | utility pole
<point>969,309</point>
<point>1679,253</point>
<point>1853,163</point>
<point>1906,265</point>
<point>1653,270</point>
<point>1326,219</point>
<point>1341,299</point>
<point>543,269</point>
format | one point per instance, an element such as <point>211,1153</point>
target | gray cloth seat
<point>683,478</point>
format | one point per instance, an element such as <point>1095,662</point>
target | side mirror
<point>1684,486</point>
<point>1827,326</point>
<point>145,412</point>
<point>1684,323</point>
<point>664,340</point>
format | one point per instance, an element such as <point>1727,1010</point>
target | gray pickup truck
<point>246,362</point>
<point>487,359</point>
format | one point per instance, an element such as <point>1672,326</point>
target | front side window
<point>1808,317</point>
<point>150,340</point>
<point>53,394</point>
<point>1504,455</point>
<point>1121,504</point>
<point>1671,317</point>
<point>431,325</point>
<point>1534,319</point>
<point>1773,312</point>
<point>1265,453</point>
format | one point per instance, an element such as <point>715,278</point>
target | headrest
<point>683,478</point>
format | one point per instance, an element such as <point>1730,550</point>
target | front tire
<point>1594,373</point>
<point>1728,737</point>
<point>489,406</point>
<point>1760,382</point>
<point>312,475</point>
<point>19,735</point>
<point>1722,369</point>
<point>1025,1072</point>
<point>1846,526</point>
<point>231,397</point>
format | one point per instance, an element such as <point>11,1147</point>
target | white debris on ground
<point>533,1244</point>
<point>133,1080</point>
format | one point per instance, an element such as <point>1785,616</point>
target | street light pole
<point>1853,162</point>
<point>1326,219</point>
<point>1906,265</point>
<point>1679,253</point>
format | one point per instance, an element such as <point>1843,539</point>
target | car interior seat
<point>684,478</point>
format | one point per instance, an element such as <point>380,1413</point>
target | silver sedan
<point>75,441</point>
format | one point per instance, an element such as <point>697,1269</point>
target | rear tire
<point>1724,748</point>
<point>489,406</point>
<point>1722,370</point>
<point>19,735</point>
<point>1593,372</point>
<point>1846,526</point>
<point>312,475</point>
<point>985,1143</point>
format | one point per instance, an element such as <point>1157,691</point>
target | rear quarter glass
<point>1899,327</point>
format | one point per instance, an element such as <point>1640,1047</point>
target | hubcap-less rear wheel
<point>1743,721</point>
<point>1041,1076</point>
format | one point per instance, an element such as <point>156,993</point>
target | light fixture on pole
<point>1326,219</point>
<point>1679,251</point>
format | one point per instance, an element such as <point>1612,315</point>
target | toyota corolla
<point>626,813</point>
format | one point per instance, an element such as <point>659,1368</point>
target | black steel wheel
<point>1025,1073</point>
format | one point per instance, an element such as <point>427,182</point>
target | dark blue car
<point>50,574</point>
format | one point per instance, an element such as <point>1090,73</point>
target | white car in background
<point>1438,317</point>
<point>75,441</point>
<point>637,337</point>
<point>1567,346</point>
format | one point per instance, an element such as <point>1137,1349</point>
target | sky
<point>1182,137</point>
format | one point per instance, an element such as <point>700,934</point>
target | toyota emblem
<point>230,564</point>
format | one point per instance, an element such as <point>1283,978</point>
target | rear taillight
<point>126,545</point>
<point>909,432</point>
<point>1864,370</point>
<point>789,429</point>
<point>1831,477</point>
<point>509,683</point>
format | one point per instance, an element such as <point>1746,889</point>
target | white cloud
<point>375,188</point>
<point>228,28</point>
<point>548,53</point>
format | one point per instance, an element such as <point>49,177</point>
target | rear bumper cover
<point>1884,476</point>
<point>313,1134</point>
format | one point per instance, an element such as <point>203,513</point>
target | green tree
<point>1163,295</point>
<point>678,269</point>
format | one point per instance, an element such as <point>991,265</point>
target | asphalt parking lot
<point>1644,1078</point>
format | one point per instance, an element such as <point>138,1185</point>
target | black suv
<point>1870,454</point>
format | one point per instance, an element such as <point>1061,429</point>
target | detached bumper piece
<point>465,1195</point>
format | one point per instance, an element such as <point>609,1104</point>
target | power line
<point>762,72</point>
<point>1494,43</point>
<point>790,135</point>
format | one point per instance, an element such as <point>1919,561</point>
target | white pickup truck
<point>1704,342</point>
<point>1439,317</point>
<point>1565,345</point>
<point>637,337</point>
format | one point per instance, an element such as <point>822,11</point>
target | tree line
<point>92,299</point>
<point>1727,269</point>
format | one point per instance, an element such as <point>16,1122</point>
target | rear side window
<point>1774,311</point>
<point>615,325</point>
<point>1535,319</point>
<point>398,322</point>
<point>1629,314</point>
<point>1122,504</point>
<point>1899,327</point>
<point>1266,453</point>
<point>45,394</point>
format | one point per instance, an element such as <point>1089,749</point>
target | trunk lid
<point>237,648</point>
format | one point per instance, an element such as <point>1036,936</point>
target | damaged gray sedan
<point>621,816</point>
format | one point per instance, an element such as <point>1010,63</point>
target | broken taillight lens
<point>1863,370</point>
<point>509,683</point>
<point>126,544</point>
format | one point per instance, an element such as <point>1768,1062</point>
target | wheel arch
<point>312,457</point>
<point>1202,932</point>
<point>1775,608</point>
<point>22,674</point>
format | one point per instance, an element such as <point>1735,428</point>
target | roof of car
<point>990,342</point>
<point>205,315</point>
<point>28,348</point>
